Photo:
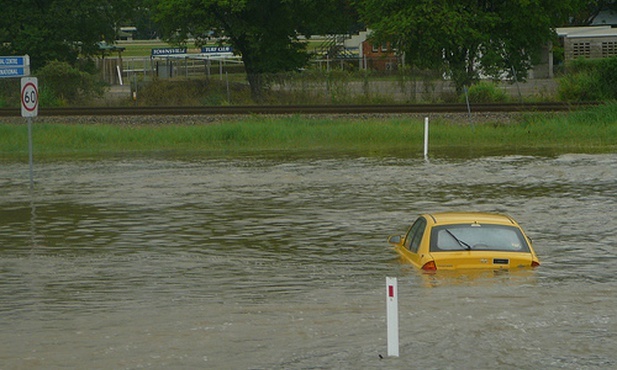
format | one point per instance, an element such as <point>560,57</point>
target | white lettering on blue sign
<point>168,51</point>
<point>216,49</point>
<point>14,66</point>
<point>11,72</point>
<point>8,61</point>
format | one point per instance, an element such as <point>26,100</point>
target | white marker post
<point>392,315</point>
<point>426,138</point>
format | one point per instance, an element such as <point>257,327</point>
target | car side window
<point>414,236</point>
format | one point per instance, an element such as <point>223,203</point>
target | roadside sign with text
<point>167,51</point>
<point>29,97</point>
<point>217,49</point>
<point>14,66</point>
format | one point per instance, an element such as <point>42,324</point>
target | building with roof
<point>590,42</point>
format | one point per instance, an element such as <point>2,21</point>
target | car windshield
<point>477,237</point>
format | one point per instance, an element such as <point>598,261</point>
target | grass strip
<point>590,131</point>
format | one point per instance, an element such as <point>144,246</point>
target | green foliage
<point>193,92</point>
<point>337,86</point>
<point>61,84</point>
<point>48,98</point>
<point>589,80</point>
<point>311,86</point>
<point>59,29</point>
<point>582,86</point>
<point>10,92</point>
<point>592,131</point>
<point>264,32</point>
<point>485,92</point>
<point>465,37</point>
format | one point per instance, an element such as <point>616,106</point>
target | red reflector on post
<point>429,266</point>
<point>390,291</point>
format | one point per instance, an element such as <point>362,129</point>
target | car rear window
<point>477,237</point>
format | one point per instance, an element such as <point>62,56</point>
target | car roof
<point>471,217</point>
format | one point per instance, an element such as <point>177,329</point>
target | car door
<point>413,240</point>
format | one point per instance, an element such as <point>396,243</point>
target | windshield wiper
<point>459,241</point>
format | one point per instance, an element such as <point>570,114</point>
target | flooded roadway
<point>264,263</point>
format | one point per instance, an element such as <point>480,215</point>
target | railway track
<point>300,109</point>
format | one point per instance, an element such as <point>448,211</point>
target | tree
<point>264,32</point>
<point>60,30</point>
<point>589,10</point>
<point>466,37</point>
<point>142,20</point>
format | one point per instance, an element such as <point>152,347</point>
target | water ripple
<point>266,263</point>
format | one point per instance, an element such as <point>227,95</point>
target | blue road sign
<point>14,66</point>
<point>14,72</point>
<point>12,62</point>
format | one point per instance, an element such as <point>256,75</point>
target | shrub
<point>10,92</point>
<point>485,92</point>
<point>582,86</point>
<point>589,80</point>
<point>180,92</point>
<point>62,84</point>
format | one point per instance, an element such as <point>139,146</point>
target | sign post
<point>29,109</point>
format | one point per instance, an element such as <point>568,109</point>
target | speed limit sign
<point>29,97</point>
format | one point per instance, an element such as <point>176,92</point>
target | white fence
<point>147,67</point>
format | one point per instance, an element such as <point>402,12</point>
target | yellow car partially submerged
<point>455,240</point>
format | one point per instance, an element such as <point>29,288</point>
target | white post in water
<point>426,138</point>
<point>392,315</point>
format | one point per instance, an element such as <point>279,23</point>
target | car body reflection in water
<point>279,263</point>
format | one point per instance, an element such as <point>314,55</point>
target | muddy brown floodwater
<point>274,263</point>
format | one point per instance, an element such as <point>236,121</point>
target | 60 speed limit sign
<point>29,97</point>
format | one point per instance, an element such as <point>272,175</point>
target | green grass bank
<point>588,131</point>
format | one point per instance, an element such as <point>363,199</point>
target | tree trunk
<point>256,85</point>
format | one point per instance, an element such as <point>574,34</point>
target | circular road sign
<point>29,97</point>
